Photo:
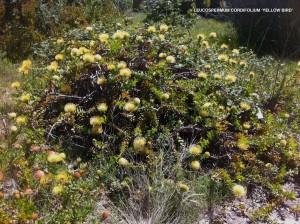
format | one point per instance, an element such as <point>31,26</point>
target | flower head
<point>60,41</point>
<point>139,143</point>
<point>235,51</point>
<point>70,107</point>
<point>130,107</point>
<point>202,75</point>
<point>102,107</point>
<point>53,66</point>
<point>195,150</point>
<point>15,85</point>
<point>122,64</point>
<point>54,157</point>
<point>213,35</point>
<point>12,115</point>
<point>59,57</point>
<point>89,28</point>
<point>57,190</point>
<point>224,46</point>
<point>125,72</point>
<point>21,120</point>
<point>103,37</point>
<point>88,57</point>
<point>96,120</point>
<point>163,28</point>
<point>25,97</point>
<point>223,57</point>
<point>205,44</point>
<point>245,106</point>
<point>170,59</point>
<point>151,29</point>
<point>201,36</point>
<point>230,78</point>
<point>239,190</point>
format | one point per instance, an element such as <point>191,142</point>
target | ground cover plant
<point>125,114</point>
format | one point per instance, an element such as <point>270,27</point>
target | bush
<point>122,100</point>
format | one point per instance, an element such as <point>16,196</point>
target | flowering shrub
<point>120,99</point>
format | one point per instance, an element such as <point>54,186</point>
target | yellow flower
<point>201,36</point>
<point>60,41</point>
<point>230,78</point>
<point>205,44</point>
<point>21,120</point>
<point>139,38</point>
<point>122,64</point>
<point>224,46</point>
<point>102,107</point>
<point>89,28</point>
<point>13,128</point>
<point>130,107</point>
<point>57,190</point>
<point>233,61</point>
<point>126,72</point>
<point>207,66</point>
<point>83,50</point>
<point>54,157</point>
<point>202,75</point>
<point>123,162</point>
<point>195,165</point>
<point>92,43</point>
<point>251,74</point>
<point>217,76</point>
<point>165,96</point>
<point>184,187</point>
<point>195,150</point>
<point>62,177</point>
<point>87,57</point>
<point>170,59</point>
<point>245,106</point>
<point>59,57</point>
<point>137,100</point>
<point>235,51</point>
<point>242,145</point>
<point>25,97</point>
<point>53,66</point>
<point>246,125</point>
<point>151,29</point>
<point>161,36</point>
<point>163,28</point>
<point>103,37</point>
<point>27,64</point>
<point>239,190</point>
<point>223,57</point>
<point>15,85</point>
<point>12,115</point>
<point>207,104</point>
<point>139,143</point>
<point>299,63</point>
<point>70,107</point>
<point>120,34</point>
<point>243,63</point>
<point>98,57</point>
<point>162,55</point>
<point>101,80</point>
<point>75,51</point>
<point>213,35</point>
<point>96,120</point>
<point>111,67</point>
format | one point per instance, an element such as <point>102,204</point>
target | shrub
<point>120,100</point>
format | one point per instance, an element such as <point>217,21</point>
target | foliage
<point>116,111</point>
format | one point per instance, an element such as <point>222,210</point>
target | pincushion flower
<point>75,51</point>
<point>111,66</point>
<point>101,80</point>
<point>201,36</point>
<point>235,51</point>
<point>239,190</point>
<point>53,66</point>
<point>170,59</point>
<point>13,128</point>
<point>139,38</point>
<point>92,43</point>
<point>162,55</point>
<point>213,35</point>
<point>103,37</point>
<point>60,41</point>
<point>89,28</point>
<point>245,106</point>
<point>62,177</point>
<point>163,28</point>
<point>96,120</point>
<point>246,125</point>
<point>243,63</point>
<point>122,64</point>
<point>83,50</point>
<point>161,36</point>
<point>97,57</point>
<point>217,76</point>
<point>57,190</point>
<point>102,107</point>
<point>59,57</point>
<point>120,34</point>
<point>205,44</point>
<point>88,57</point>
<point>125,72</point>
<point>123,162</point>
<point>26,65</point>
<point>54,157</point>
<point>130,107</point>
<point>25,97</point>
<point>230,78</point>
<point>299,63</point>
<point>21,120</point>
<point>202,75</point>
<point>139,143</point>
<point>233,61</point>
<point>223,57</point>
<point>15,85</point>
<point>184,187</point>
<point>12,115</point>
<point>195,150</point>
<point>224,46</point>
<point>195,165</point>
<point>70,107</point>
<point>151,29</point>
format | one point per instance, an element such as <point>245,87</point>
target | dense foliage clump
<point>114,104</point>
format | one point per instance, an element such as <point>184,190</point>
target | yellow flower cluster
<point>163,28</point>
<point>223,57</point>
<point>170,59</point>
<point>57,190</point>
<point>195,150</point>
<point>26,65</point>
<point>239,190</point>
<point>230,78</point>
<point>96,120</point>
<point>125,72</point>
<point>213,35</point>
<point>245,106</point>
<point>151,29</point>
<point>139,143</point>
<point>103,37</point>
<point>130,107</point>
<point>53,66</point>
<point>70,107</point>
<point>88,57</point>
<point>15,85</point>
<point>120,34</point>
<point>54,157</point>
